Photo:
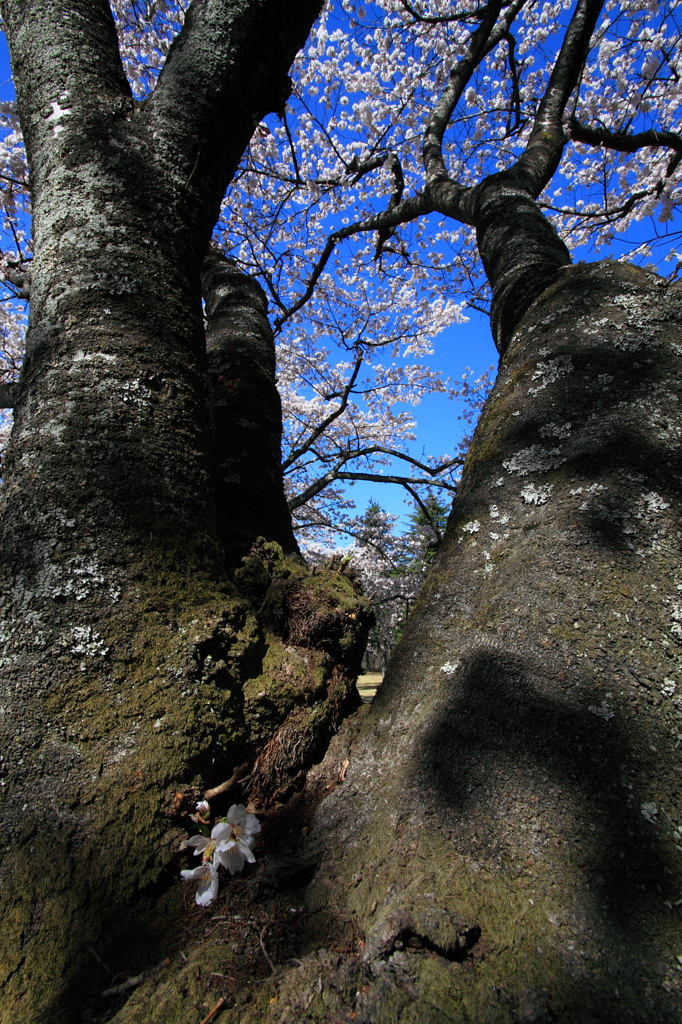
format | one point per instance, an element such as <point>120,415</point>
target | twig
<point>264,950</point>
<point>236,777</point>
<point>117,990</point>
<point>191,173</point>
<point>99,960</point>
<point>218,1006</point>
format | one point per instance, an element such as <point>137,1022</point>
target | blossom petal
<point>237,815</point>
<point>252,824</point>
<point>193,874</point>
<point>231,858</point>
<point>201,842</point>
<point>207,890</point>
<point>221,831</point>
<point>246,853</point>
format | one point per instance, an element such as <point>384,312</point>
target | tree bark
<point>247,412</point>
<point>521,252</point>
<point>504,827</point>
<point>125,647</point>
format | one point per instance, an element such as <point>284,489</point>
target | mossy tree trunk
<point>505,826</point>
<point>128,652</point>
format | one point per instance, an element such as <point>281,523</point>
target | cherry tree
<point>515,788</point>
<point>340,416</point>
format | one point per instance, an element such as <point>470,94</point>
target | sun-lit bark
<point>125,647</point>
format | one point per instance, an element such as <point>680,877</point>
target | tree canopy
<point>354,205</point>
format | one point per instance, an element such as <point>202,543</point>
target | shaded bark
<point>521,252</point>
<point>247,412</point>
<point>516,780</point>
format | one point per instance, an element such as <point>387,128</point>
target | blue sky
<point>438,428</point>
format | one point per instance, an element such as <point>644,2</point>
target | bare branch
<point>514,75</point>
<point>292,149</point>
<point>384,234</point>
<point>336,473</point>
<point>405,480</point>
<point>426,513</point>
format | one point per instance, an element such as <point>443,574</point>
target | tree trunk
<point>504,827</point>
<point>521,252</point>
<point>134,673</point>
<point>247,412</point>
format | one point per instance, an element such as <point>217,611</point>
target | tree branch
<point>337,474</point>
<point>542,155</point>
<point>447,196</point>
<point>226,69</point>
<point>385,233</point>
<point>513,73</point>
<point>624,142</point>
<point>426,513</point>
<point>405,480</point>
<point>321,427</point>
<point>409,209</point>
<point>432,153</point>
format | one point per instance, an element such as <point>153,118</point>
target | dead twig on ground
<point>99,960</point>
<point>265,952</point>
<point>117,990</point>
<point>224,787</point>
<point>211,1014</point>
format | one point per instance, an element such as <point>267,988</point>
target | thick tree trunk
<point>247,412</point>
<point>504,826</point>
<point>126,650</point>
<point>521,252</point>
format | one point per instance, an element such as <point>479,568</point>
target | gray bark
<point>125,648</point>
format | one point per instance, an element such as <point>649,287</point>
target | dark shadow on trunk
<point>247,412</point>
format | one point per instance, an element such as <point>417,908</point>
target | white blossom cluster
<point>229,846</point>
